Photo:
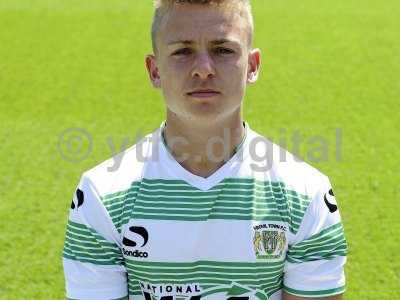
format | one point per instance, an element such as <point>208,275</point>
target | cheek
<point>171,78</point>
<point>234,75</point>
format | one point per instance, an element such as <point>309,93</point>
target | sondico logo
<point>329,199</point>
<point>80,197</point>
<point>129,241</point>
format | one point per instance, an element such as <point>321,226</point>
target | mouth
<point>203,93</point>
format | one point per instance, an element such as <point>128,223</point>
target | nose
<point>203,67</point>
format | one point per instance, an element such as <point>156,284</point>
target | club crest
<point>269,241</point>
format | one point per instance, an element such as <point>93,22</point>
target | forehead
<point>201,22</point>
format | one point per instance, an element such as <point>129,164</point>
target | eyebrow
<point>190,42</point>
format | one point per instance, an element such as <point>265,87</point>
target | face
<point>203,63</point>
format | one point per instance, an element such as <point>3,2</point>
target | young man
<point>192,212</point>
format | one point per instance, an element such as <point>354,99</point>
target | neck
<point>202,148</point>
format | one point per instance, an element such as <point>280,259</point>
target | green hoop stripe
<point>86,245</point>
<point>327,244</point>
<point>315,294</point>
<point>231,199</point>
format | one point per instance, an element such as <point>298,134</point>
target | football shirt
<point>150,229</point>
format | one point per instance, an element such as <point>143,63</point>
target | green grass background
<point>326,65</point>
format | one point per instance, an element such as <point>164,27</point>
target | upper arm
<point>92,258</point>
<point>316,256</point>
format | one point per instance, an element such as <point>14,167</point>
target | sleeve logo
<point>329,199</point>
<point>80,197</point>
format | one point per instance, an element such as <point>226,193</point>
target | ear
<point>254,65</point>
<point>152,69</point>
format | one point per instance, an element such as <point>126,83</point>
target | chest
<point>171,258</point>
<point>183,243</point>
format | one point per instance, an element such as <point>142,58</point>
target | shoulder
<point>299,175</point>
<point>280,165</point>
<point>120,172</point>
<point>295,183</point>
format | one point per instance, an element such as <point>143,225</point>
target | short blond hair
<point>161,8</point>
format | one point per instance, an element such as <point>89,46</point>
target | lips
<point>205,93</point>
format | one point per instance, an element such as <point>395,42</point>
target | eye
<point>223,51</point>
<point>183,51</point>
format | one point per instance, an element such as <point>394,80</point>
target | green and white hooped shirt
<point>262,223</point>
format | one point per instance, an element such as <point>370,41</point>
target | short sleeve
<point>92,258</point>
<point>316,256</point>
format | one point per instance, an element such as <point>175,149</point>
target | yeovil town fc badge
<point>269,241</point>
